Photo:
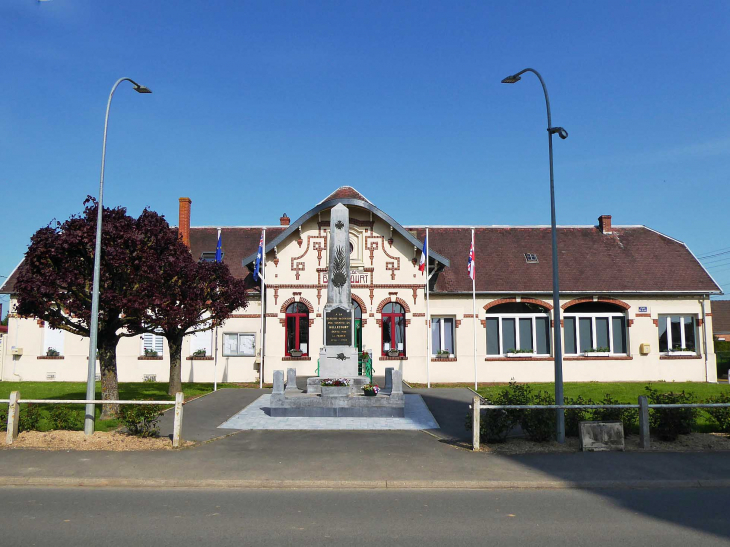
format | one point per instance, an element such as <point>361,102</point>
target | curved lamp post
<point>94,327</point>
<point>557,342</point>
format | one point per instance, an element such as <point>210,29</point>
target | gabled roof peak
<point>345,192</point>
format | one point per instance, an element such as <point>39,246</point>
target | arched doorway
<point>358,325</point>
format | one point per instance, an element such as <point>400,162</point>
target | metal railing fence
<point>15,401</point>
<point>643,406</point>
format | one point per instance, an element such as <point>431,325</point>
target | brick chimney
<point>184,220</point>
<point>284,220</point>
<point>604,224</point>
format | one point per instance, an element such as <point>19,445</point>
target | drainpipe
<point>704,338</point>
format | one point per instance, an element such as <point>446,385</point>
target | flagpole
<point>474,303</point>
<point>215,360</point>
<point>428,321</point>
<point>262,269</point>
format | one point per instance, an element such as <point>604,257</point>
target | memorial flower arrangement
<point>335,382</point>
<point>371,389</point>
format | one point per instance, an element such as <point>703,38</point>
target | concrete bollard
<point>291,379</point>
<point>388,378</point>
<point>278,381</point>
<point>475,426</point>
<point>177,425</point>
<point>13,417</point>
<point>644,438</point>
<point>397,382</point>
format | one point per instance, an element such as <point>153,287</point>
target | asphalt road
<point>112,517</point>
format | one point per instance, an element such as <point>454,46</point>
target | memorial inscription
<point>338,327</point>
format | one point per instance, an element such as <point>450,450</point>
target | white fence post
<point>13,417</point>
<point>475,427</point>
<point>177,426</point>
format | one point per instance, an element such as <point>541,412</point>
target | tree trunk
<point>107,351</point>
<point>175,346</point>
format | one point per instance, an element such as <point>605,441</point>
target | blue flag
<point>259,256</point>
<point>219,248</point>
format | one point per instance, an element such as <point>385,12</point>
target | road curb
<point>76,482</point>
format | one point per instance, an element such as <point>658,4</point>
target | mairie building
<point>635,305</point>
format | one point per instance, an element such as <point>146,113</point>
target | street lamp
<point>557,342</point>
<point>94,327</point>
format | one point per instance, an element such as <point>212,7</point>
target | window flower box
<point>519,354</point>
<point>596,354</point>
<point>681,353</point>
<point>393,353</point>
<point>296,352</point>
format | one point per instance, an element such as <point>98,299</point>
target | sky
<point>262,107</point>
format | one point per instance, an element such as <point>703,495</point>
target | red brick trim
<point>145,358</point>
<point>621,358</point>
<point>642,315</point>
<point>386,358</point>
<point>289,301</point>
<point>198,358</point>
<point>619,303</point>
<point>656,322</point>
<point>522,359</point>
<point>361,302</point>
<point>631,323</point>
<point>708,315</point>
<point>699,322</point>
<point>419,314</point>
<point>50,357</point>
<point>542,303</point>
<point>302,358</point>
<point>388,301</point>
<point>678,357</point>
<point>443,359</point>
<point>458,323</point>
<point>245,316</point>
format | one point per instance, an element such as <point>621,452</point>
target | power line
<point>716,264</point>
<point>718,251</point>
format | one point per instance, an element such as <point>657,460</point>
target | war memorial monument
<point>338,358</point>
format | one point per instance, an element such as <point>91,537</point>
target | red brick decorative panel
<point>613,358</point>
<point>199,358</point>
<point>447,359</point>
<point>50,357</point>
<point>302,358</point>
<point>680,357</point>
<point>386,358</point>
<point>519,359</point>
<point>145,358</point>
<point>388,301</point>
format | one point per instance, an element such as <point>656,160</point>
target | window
<point>442,335</point>
<point>202,341</point>
<point>519,327</point>
<point>394,329</point>
<point>152,344</point>
<point>239,344</point>
<point>209,257</point>
<point>592,327</point>
<point>677,333</point>
<point>52,341</point>
<point>297,328</point>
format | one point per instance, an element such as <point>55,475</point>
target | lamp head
<point>562,133</point>
<point>512,79</point>
<point>142,89</point>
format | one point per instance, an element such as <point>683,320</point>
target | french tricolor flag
<point>470,266</point>
<point>424,254</point>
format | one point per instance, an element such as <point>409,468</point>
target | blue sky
<point>261,108</point>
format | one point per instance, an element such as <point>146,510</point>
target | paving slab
<point>255,416</point>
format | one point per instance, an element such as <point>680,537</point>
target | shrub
<point>3,417</point>
<point>494,425</point>
<point>669,423</point>
<point>629,416</point>
<point>67,418</point>
<point>141,420</point>
<point>539,425</point>
<point>573,416</point>
<point>29,418</point>
<point>720,415</point>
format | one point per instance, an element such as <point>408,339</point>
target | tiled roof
<point>721,316</point>
<point>345,192</point>
<point>631,259</point>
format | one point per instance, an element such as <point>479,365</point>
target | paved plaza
<point>255,416</point>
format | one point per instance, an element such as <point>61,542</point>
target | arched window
<point>595,328</point>
<point>394,329</point>
<point>297,328</point>
<point>518,328</point>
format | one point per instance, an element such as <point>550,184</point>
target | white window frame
<point>533,317</point>
<point>238,344</point>
<point>668,322</point>
<point>594,342</point>
<point>49,332</point>
<point>161,352</point>
<point>439,318</point>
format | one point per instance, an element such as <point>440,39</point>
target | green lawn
<point>626,392</point>
<point>77,390</point>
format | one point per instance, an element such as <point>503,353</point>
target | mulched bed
<point>100,440</point>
